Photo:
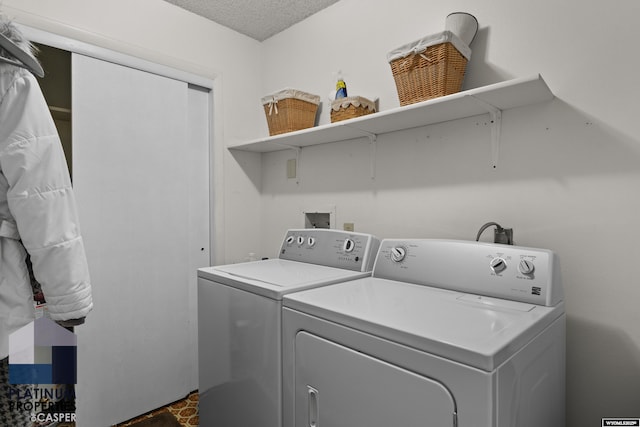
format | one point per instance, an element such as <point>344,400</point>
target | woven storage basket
<point>351,107</point>
<point>429,68</point>
<point>290,110</point>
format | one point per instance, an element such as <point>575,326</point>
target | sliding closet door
<point>132,179</point>
<point>199,218</point>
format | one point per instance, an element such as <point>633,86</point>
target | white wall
<point>568,177</point>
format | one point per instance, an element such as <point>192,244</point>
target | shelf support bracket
<point>373,138</point>
<point>287,146</point>
<point>298,150</point>
<point>496,127</point>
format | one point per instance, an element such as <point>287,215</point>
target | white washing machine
<point>444,333</point>
<point>239,321</point>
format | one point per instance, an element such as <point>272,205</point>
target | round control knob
<point>290,240</point>
<point>300,240</point>
<point>311,241</point>
<point>398,253</point>
<point>526,267</point>
<point>498,265</point>
<point>349,245</point>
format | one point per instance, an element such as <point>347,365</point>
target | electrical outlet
<point>348,226</point>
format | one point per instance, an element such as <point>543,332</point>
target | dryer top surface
<point>476,330</point>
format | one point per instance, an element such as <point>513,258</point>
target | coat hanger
<point>22,58</point>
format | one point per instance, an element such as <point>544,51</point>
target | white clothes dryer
<point>444,333</point>
<point>239,321</point>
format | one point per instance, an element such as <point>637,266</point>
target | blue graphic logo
<point>42,352</point>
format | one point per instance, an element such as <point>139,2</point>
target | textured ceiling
<point>259,19</point>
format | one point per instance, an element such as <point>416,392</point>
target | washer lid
<point>478,331</point>
<point>274,278</point>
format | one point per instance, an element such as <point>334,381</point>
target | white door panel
<point>131,176</point>
<point>336,386</point>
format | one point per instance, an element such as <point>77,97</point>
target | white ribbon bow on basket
<point>273,104</point>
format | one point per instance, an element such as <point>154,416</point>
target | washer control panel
<point>332,248</point>
<point>503,271</point>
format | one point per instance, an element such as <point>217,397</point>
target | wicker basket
<point>290,110</point>
<point>429,68</point>
<point>351,107</point>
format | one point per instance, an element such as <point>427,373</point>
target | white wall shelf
<point>492,99</point>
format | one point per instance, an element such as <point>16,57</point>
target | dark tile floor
<point>185,411</point>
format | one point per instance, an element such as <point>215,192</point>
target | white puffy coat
<point>37,205</point>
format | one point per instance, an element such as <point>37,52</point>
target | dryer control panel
<point>332,248</point>
<point>510,272</point>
